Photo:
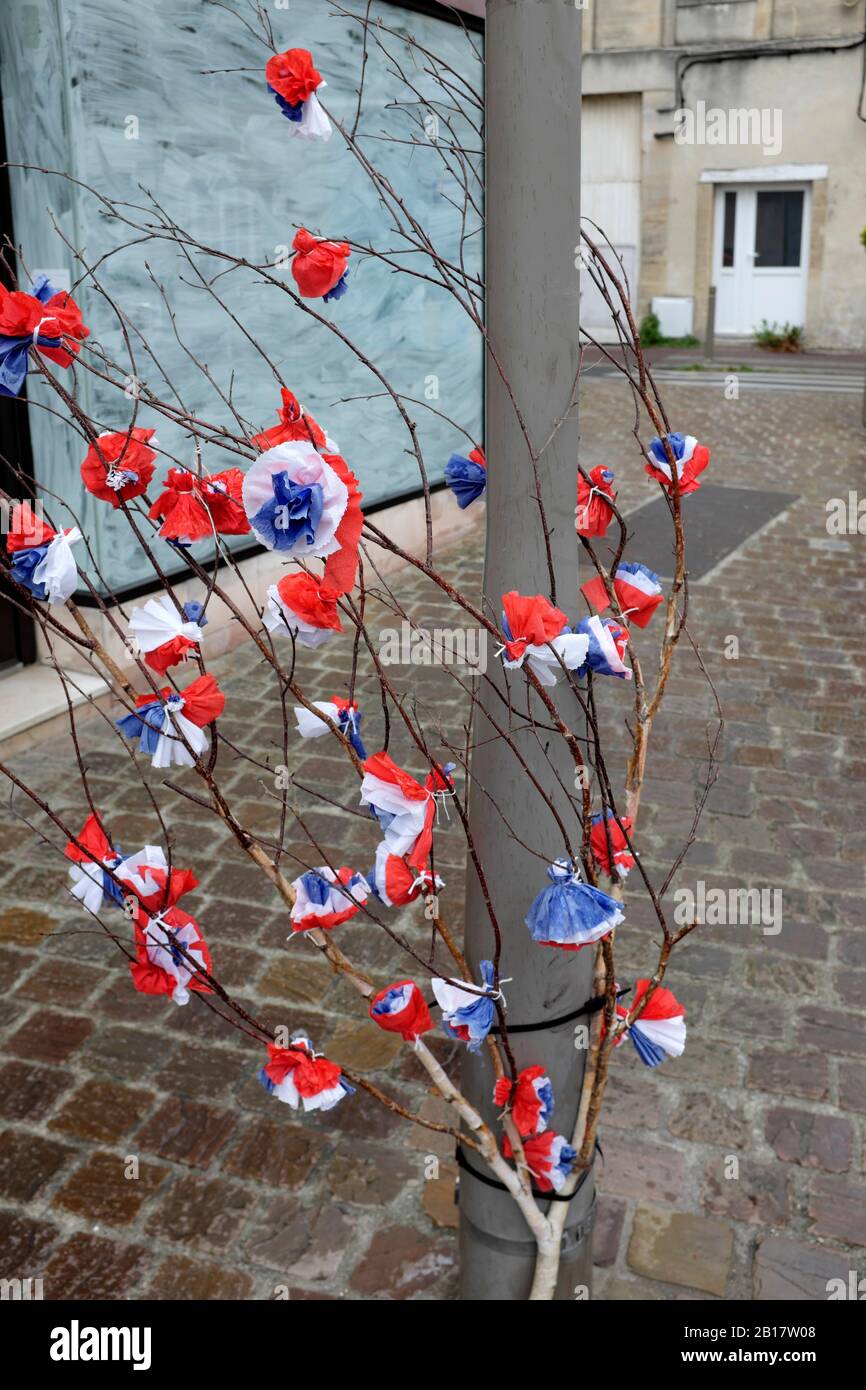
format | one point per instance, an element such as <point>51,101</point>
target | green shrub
<point>787,337</point>
<point>650,330</point>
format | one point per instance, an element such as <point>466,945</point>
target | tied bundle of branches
<point>292,488</point>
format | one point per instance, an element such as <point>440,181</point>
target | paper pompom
<point>119,466</point>
<point>569,913</point>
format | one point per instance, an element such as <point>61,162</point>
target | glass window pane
<point>730,228</point>
<point>779,228</point>
<point>215,151</point>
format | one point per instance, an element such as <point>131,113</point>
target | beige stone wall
<point>622,24</point>
<point>625,23</point>
<point>804,19</point>
<point>817,94</point>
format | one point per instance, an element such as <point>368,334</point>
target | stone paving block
<point>203,1213</point>
<point>838,1210</point>
<point>705,1118</point>
<point>634,1168</point>
<point>50,1037</point>
<point>805,1074</point>
<point>813,1140</point>
<point>788,1270</point>
<point>681,1248</point>
<point>852,1086</point>
<point>27,1163</point>
<point>91,1267</point>
<point>26,926</point>
<point>24,1244</point>
<point>64,983</point>
<point>186,1132</point>
<point>104,1190</point>
<point>609,1221</point>
<point>401,1262</point>
<point>181,1279</point>
<point>102,1111</point>
<point>756,1193</point>
<point>371,1180</point>
<point>438,1197</point>
<point>301,1242</point>
<point>277,1154</point>
<point>28,1092</point>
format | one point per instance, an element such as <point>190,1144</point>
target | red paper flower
<point>118,455</point>
<point>502,1092</point>
<point>58,317</point>
<point>594,514</point>
<point>532,621</point>
<point>293,75</point>
<point>303,596</point>
<point>295,424</point>
<point>318,265</point>
<point>192,508</point>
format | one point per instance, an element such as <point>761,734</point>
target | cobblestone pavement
<point>236,1199</point>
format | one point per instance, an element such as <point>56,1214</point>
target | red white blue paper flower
<point>298,1076</point>
<point>691,459</point>
<point>307,505</point>
<point>623,859</point>
<point>402,1009</point>
<point>294,81</point>
<point>594,513</point>
<point>298,607</point>
<point>607,645</point>
<point>195,509</point>
<point>159,967</point>
<point>550,1158</point>
<point>119,466</point>
<point>294,424</point>
<point>394,883</point>
<point>467,477</point>
<point>532,1101</point>
<point>660,1031</point>
<point>319,266</point>
<point>42,558</point>
<point>467,1014</point>
<point>161,722</point>
<point>537,632</point>
<point>102,875</point>
<point>569,913</point>
<point>326,899</point>
<point>404,809</point>
<point>343,713</point>
<point>46,319</point>
<point>91,856</point>
<point>295,501</point>
<point>637,589</point>
<point>164,636</point>
<point>148,876</point>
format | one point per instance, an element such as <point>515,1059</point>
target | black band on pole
<point>463,1162</point>
<point>591,1006</point>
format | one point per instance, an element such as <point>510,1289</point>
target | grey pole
<point>710,336</point>
<point>533,293</point>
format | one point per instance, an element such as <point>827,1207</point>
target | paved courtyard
<point>736,1171</point>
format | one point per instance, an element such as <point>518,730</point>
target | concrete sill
<point>32,699</point>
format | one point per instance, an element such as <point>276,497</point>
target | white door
<point>610,160</point>
<point>761,255</point>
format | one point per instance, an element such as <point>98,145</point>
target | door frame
<point>754,187</point>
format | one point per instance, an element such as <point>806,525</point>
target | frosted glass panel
<point>79,75</point>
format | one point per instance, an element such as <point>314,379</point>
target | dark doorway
<point>17,635</point>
